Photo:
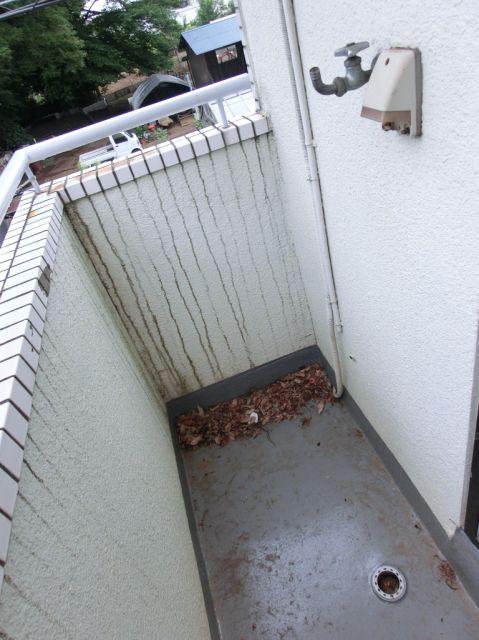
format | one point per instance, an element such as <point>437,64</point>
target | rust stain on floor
<point>291,534</point>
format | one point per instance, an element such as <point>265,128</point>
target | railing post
<point>31,176</point>
<point>221,109</point>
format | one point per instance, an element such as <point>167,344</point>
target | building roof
<point>214,35</point>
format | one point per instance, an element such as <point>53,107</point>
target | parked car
<point>121,144</point>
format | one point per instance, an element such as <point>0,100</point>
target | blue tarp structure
<point>213,35</point>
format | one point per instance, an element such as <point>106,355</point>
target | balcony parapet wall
<point>166,154</point>
<point>192,245</point>
<point>190,242</point>
<point>27,258</point>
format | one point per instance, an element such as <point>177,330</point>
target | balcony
<point>138,290</point>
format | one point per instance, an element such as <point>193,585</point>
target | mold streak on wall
<point>198,261</point>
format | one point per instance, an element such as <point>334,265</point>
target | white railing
<point>21,159</point>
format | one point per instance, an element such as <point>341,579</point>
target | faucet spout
<point>336,88</point>
<point>355,76</point>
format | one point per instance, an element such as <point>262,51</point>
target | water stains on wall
<point>200,266</point>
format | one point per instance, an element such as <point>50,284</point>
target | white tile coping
<point>26,261</point>
<point>166,154</point>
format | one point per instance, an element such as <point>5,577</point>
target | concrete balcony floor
<point>291,527</point>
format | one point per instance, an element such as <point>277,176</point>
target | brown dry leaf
<point>281,400</point>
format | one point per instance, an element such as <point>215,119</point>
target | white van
<point>121,144</point>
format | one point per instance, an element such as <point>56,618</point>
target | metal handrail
<point>20,162</point>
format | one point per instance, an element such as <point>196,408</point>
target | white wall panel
<point>100,544</point>
<point>403,224</point>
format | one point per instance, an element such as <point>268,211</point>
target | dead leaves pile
<point>246,416</point>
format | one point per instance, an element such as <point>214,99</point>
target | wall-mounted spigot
<point>355,75</point>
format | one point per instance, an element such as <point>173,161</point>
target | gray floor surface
<point>293,524</point>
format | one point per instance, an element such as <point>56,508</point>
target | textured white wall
<point>200,265</point>
<point>100,546</point>
<point>403,222</point>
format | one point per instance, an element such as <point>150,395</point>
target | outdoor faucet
<point>355,75</point>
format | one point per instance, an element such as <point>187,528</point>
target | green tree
<point>209,10</point>
<point>56,58</point>
<point>38,55</point>
<point>128,35</point>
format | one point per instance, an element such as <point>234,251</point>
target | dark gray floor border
<point>458,550</point>
<point>190,514</point>
<point>244,382</point>
<point>213,394</point>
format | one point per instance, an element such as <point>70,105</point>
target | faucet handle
<point>351,49</point>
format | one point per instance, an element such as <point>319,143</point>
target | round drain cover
<point>388,583</point>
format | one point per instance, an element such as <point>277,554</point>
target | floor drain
<point>388,583</point>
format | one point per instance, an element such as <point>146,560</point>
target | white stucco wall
<point>403,224</point>
<point>100,546</point>
<point>198,260</point>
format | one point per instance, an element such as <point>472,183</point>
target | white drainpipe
<point>334,319</point>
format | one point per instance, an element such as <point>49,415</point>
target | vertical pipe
<point>334,319</point>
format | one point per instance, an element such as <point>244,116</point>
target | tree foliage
<point>128,35</point>
<point>209,10</point>
<point>38,54</point>
<point>56,58</point>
